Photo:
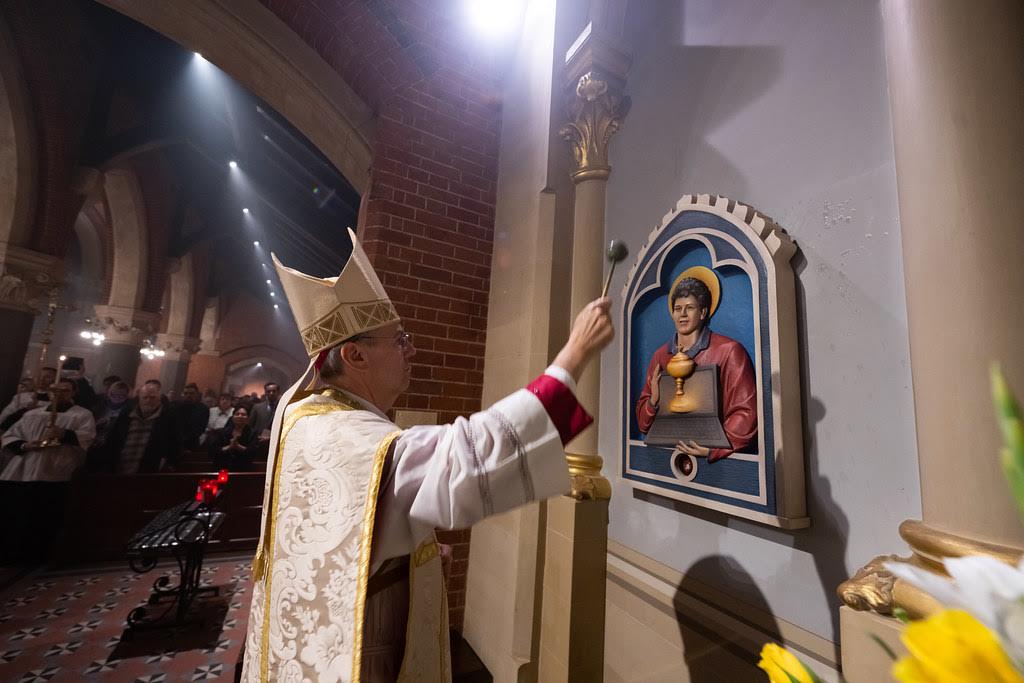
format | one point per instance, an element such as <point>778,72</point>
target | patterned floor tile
<point>52,613</point>
<point>103,607</point>
<point>162,657</point>
<point>154,678</point>
<point>101,666</point>
<point>221,646</point>
<point>78,620</point>
<point>63,648</point>
<point>28,633</point>
<point>85,626</point>
<point>203,673</point>
<point>20,601</point>
<point>39,675</point>
<point>42,586</point>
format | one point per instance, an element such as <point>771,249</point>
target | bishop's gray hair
<point>333,364</point>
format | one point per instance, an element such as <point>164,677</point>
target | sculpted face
<point>688,315</point>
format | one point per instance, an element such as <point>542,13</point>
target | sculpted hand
<point>656,386</point>
<point>692,448</point>
<point>592,331</point>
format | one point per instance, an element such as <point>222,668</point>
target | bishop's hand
<point>592,331</point>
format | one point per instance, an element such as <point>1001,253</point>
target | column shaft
<point>17,329</point>
<point>956,78</point>
<point>587,267</point>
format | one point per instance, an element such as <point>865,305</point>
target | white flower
<point>991,590</point>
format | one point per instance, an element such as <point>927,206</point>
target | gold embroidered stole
<point>338,402</point>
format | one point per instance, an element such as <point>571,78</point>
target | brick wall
<point>428,216</point>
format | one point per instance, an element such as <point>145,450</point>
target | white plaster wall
<point>781,104</point>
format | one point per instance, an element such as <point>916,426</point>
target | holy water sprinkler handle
<point>617,251</point>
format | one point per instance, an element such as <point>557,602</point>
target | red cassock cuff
<point>561,405</point>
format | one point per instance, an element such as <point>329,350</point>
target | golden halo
<point>710,280</point>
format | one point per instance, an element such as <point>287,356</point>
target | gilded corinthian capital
<point>595,113</point>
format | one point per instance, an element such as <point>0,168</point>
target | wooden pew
<point>105,510</point>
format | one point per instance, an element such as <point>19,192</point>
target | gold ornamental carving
<point>585,478</point>
<point>875,588</point>
<point>596,113</point>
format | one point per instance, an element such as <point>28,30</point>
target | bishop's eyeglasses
<point>403,339</point>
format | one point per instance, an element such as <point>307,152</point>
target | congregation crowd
<point>56,429</point>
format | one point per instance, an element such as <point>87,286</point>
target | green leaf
<point>901,614</point>
<point>1010,424</point>
<point>885,647</point>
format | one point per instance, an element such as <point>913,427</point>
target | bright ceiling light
<point>259,365</point>
<point>256,243</point>
<point>268,282</point>
<point>272,294</point>
<point>233,164</point>
<point>276,307</point>
<point>494,17</point>
<point>245,210</point>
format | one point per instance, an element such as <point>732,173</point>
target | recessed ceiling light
<point>233,164</point>
<point>256,243</point>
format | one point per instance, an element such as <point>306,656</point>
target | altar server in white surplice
<point>348,583</point>
<point>35,480</point>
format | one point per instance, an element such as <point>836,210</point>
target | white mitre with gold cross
<point>330,310</point>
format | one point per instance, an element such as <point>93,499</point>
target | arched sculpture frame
<point>736,238</point>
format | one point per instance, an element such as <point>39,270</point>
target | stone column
<point>956,83</point>
<point>29,282</point>
<point>174,369</point>
<point>573,610</point>
<point>956,78</point>
<point>125,329</point>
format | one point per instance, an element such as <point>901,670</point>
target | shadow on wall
<point>712,84</point>
<point>710,656</point>
<point>827,538</point>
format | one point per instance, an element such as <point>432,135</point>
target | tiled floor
<point>68,626</point>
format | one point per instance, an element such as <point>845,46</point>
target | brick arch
<point>259,51</point>
<point>269,355</point>
<point>130,239</point>
<point>17,147</point>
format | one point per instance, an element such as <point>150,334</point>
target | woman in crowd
<point>237,444</point>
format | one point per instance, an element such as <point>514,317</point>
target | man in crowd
<point>348,583</point>
<point>109,406</point>
<point>146,437</point>
<point>263,412</point>
<point>74,369</point>
<point>219,416</point>
<point>193,416</point>
<point>41,452</point>
<point>26,400</point>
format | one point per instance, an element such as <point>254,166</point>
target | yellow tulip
<point>953,647</point>
<point>783,667</point>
